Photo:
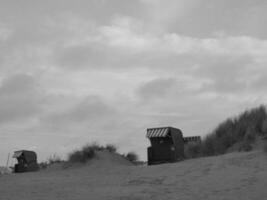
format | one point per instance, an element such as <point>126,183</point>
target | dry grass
<point>111,148</point>
<point>243,129</point>
<point>88,152</point>
<point>131,156</point>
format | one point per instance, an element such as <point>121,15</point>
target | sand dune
<point>232,176</point>
<point>102,160</point>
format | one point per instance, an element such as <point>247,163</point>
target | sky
<point>76,72</point>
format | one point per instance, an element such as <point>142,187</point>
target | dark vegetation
<point>87,153</point>
<point>111,148</point>
<point>239,132</point>
<point>131,156</point>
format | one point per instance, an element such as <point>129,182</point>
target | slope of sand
<point>232,176</point>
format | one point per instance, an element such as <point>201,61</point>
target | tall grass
<point>131,156</point>
<point>242,130</point>
<point>83,155</point>
<point>88,152</point>
<point>111,148</point>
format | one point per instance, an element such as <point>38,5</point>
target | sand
<point>231,176</point>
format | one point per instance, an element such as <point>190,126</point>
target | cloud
<point>169,12</point>
<point>18,84</point>
<point>204,18</point>
<point>155,89</point>
<point>107,70</point>
<point>5,32</point>
<point>89,111</point>
<point>126,43</point>
<point>19,98</point>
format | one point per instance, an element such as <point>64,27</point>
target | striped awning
<point>17,154</point>
<point>157,132</point>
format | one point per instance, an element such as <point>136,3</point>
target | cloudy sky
<point>73,72</point>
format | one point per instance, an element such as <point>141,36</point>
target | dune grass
<point>242,130</point>
<point>131,156</point>
<point>111,148</point>
<point>88,152</point>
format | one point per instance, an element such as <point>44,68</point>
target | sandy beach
<point>232,176</point>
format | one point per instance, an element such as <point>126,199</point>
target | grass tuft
<point>243,129</point>
<point>131,156</point>
<point>86,153</point>
<point>111,148</point>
